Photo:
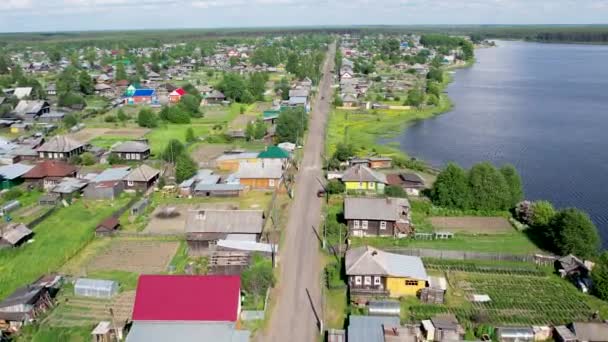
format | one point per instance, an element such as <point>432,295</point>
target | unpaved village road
<point>294,318</point>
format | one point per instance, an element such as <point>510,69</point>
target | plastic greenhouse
<point>96,288</point>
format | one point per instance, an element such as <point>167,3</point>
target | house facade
<point>132,150</point>
<point>362,178</point>
<point>375,273</point>
<point>373,216</point>
<point>263,175</point>
<point>60,147</point>
<point>141,178</point>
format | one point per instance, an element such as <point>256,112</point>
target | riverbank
<point>366,129</point>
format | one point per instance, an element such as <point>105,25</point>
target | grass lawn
<point>160,136</point>
<point>107,141</point>
<point>56,240</point>
<point>336,308</point>
<point>27,198</point>
<point>512,243</point>
<point>53,334</point>
<point>96,102</point>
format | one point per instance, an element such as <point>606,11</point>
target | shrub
<point>12,194</point>
<point>110,118</point>
<point>87,158</point>
<point>335,186</point>
<point>395,191</point>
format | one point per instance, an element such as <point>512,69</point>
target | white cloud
<point>15,4</point>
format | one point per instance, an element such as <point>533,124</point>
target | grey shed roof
<point>374,208</point>
<point>590,331</point>
<point>14,170</point>
<point>131,146</point>
<point>298,93</point>
<point>241,245</point>
<point>69,185</point>
<point>112,174</point>
<point>15,233</point>
<point>186,332</point>
<point>266,169</point>
<point>369,328</point>
<point>224,221</point>
<point>142,173</point>
<point>297,100</point>
<point>218,187</point>
<point>367,260</point>
<point>362,173</point>
<point>29,106</point>
<point>60,143</point>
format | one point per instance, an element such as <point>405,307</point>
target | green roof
<point>271,114</point>
<point>274,152</point>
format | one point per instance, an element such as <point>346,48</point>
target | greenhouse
<point>96,288</point>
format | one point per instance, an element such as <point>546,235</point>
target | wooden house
<point>176,95</point>
<point>411,182</point>
<point>373,216</point>
<point>232,161</point>
<point>30,110</point>
<point>362,178</point>
<point>132,150</point>
<point>60,147</point>
<point>205,227</point>
<point>141,178</point>
<point>49,173</point>
<point>263,175</point>
<point>375,273</point>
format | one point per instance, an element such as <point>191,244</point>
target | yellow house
<point>231,161</point>
<point>372,272</point>
<point>362,178</point>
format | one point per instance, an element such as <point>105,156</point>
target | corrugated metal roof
<point>224,221</point>
<point>14,170</point>
<point>186,332</point>
<point>260,170</point>
<point>369,328</point>
<point>373,208</point>
<point>112,174</point>
<point>251,246</point>
<point>218,187</point>
<point>367,260</point>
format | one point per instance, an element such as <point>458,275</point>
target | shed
<point>14,234</point>
<point>139,206</point>
<point>107,226</point>
<point>384,308</point>
<point>97,288</point>
<point>8,207</point>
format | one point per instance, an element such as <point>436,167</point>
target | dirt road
<point>298,308</point>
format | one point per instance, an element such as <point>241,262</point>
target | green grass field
<point>56,240</point>
<point>53,334</point>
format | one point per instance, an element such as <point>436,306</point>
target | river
<point>540,107</point>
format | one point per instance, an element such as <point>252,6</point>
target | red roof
<point>50,168</point>
<point>187,298</point>
<point>180,91</point>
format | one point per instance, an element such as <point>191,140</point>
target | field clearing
<point>241,121</point>
<point>54,242</point>
<point>515,299</point>
<point>159,137</point>
<point>472,224</point>
<point>87,134</point>
<point>207,153</point>
<point>134,256</point>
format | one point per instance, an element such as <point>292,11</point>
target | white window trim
<point>367,280</point>
<point>377,281</point>
<point>357,280</point>
<point>271,182</point>
<point>364,224</point>
<point>130,183</point>
<point>356,224</point>
<point>382,225</point>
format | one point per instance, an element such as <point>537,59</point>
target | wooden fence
<point>464,255</point>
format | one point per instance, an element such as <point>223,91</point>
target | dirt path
<point>298,309</point>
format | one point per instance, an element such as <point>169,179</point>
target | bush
<point>147,118</point>
<point>571,231</point>
<point>110,118</point>
<point>87,158</point>
<point>113,159</point>
<point>70,120</point>
<point>333,276</point>
<point>335,186</point>
<point>258,277</point>
<point>12,194</point>
<point>395,191</point>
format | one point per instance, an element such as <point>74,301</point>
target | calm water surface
<point>541,107</point>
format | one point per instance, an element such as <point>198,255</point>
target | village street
<point>294,318</point>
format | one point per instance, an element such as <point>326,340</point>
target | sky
<point>73,15</point>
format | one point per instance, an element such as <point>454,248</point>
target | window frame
<point>358,280</point>
<point>411,282</point>
<point>364,224</point>
<point>356,224</point>
<point>367,280</point>
<point>383,225</point>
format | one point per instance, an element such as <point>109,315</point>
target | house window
<point>212,243</point>
<point>271,182</point>
<point>130,183</point>
<point>411,283</point>
<point>367,280</point>
<point>377,281</point>
<point>358,280</point>
<point>356,224</point>
<point>364,224</point>
<point>360,185</point>
<point>382,225</point>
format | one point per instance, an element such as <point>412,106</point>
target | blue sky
<point>59,15</point>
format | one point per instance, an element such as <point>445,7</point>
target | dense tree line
<point>244,89</point>
<point>444,43</point>
<point>483,187</point>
